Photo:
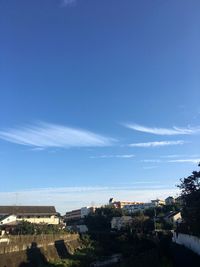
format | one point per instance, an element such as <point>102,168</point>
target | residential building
<point>33,214</point>
<point>73,215</point>
<point>119,223</point>
<point>122,204</point>
<point>8,220</point>
<point>134,206</point>
<point>79,213</point>
<point>158,202</point>
<point>138,207</point>
<point>85,211</point>
<point>173,217</point>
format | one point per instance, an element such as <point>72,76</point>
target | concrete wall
<point>189,241</point>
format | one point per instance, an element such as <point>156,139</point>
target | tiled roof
<point>18,210</point>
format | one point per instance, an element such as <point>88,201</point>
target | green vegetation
<point>100,220</point>
<point>27,228</point>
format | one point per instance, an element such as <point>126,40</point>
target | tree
<point>100,220</point>
<point>25,228</point>
<point>190,193</point>
<point>142,224</point>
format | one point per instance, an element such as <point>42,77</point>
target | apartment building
<point>138,207</point>
<point>122,204</point>
<point>79,213</point>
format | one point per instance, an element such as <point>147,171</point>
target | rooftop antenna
<point>16,199</point>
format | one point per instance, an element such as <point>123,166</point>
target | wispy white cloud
<point>44,135</point>
<point>68,198</point>
<point>193,161</point>
<point>163,131</point>
<point>125,156</point>
<point>68,2</point>
<point>151,160</point>
<point>157,144</point>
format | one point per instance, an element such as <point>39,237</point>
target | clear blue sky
<point>98,98</point>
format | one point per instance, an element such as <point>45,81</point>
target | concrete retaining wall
<point>189,241</point>
<point>20,251</point>
<point>21,243</point>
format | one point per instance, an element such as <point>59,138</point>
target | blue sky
<point>98,98</point>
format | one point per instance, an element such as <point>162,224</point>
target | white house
<point>8,220</point>
<point>158,202</point>
<point>173,217</point>
<point>32,214</point>
<point>121,222</point>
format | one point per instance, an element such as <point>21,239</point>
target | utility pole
<point>155,219</point>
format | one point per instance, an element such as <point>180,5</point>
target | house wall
<point>52,220</point>
<point>176,217</point>
<point>189,241</point>
<point>8,220</point>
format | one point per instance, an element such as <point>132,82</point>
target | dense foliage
<point>27,228</point>
<point>100,220</point>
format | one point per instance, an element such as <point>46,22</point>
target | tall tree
<point>190,193</point>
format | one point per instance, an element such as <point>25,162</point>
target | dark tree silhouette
<point>190,193</point>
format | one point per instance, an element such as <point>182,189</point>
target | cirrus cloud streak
<point>163,131</point>
<point>45,135</point>
<point>158,143</point>
<point>124,156</point>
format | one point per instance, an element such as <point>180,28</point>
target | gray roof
<point>171,214</point>
<point>28,210</point>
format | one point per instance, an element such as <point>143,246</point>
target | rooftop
<point>46,210</point>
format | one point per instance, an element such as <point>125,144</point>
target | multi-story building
<point>78,214</point>
<point>122,204</point>
<point>73,215</point>
<point>32,214</point>
<point>138,207</point>
<point>133,206</point>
